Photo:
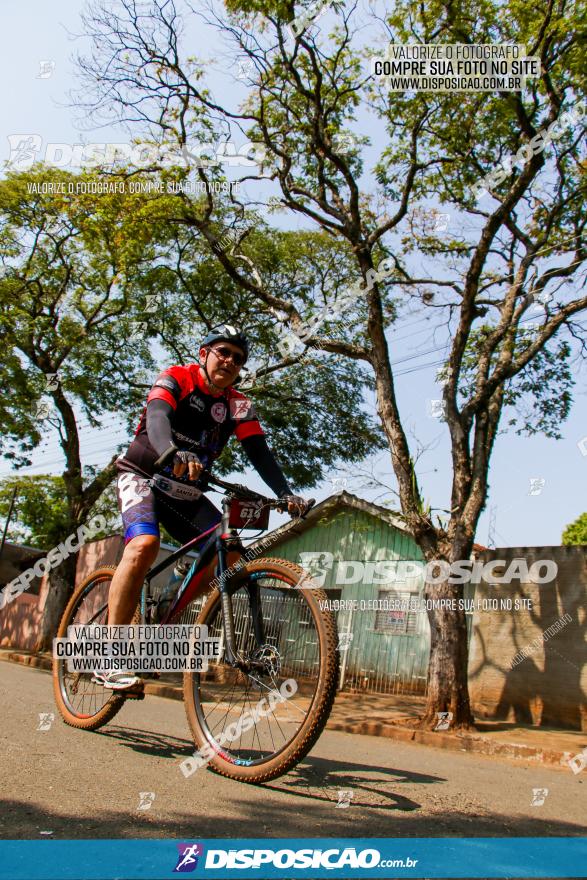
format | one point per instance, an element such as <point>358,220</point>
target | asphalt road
<point>77,784</point>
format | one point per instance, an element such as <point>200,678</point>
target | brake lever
<point>311,503</point>
<point>282,508</point>
<point>248,494</point>
<point>202,482</point>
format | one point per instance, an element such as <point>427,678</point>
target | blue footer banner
<point>292,857</point>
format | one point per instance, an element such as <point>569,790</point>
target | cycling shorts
<point>143,507</point>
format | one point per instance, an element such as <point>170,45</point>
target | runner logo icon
<point>187,860</point>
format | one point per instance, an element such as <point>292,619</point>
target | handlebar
<point>233,488</point>
<point>236,489</point>
<point>241,491</point>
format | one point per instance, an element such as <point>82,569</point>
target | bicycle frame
<point>223,542</point>
<point>198,578</point>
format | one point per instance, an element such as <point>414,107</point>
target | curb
<point>38,661</point>
<point>458,742</point>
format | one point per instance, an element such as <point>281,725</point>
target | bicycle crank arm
<point>134,695</point>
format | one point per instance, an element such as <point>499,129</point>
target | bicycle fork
<point>254,594</point>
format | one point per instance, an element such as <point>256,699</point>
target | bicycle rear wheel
<point>81,702</point>
<point>254,727</point>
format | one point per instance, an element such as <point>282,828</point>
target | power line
<point>419,368</point>
<point>98,450</point>
<point>86,440</point>
<point>417,354</point>
<point>61,461</point>
<point>414,333</point>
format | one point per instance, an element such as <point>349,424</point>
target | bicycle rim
<point>256,726</point>
<point>81,702</point>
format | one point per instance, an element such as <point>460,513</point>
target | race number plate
<point>248,514</point>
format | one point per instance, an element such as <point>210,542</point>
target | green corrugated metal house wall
<point>379,653</point>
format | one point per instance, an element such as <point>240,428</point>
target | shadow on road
<point>319,779</point>
<point>145,742</point>
<point>304,803</point>
<point>257,818</point>
<point>329,780</point>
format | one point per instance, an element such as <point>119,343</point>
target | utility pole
<point>8,518</point>
<point>491,526</point>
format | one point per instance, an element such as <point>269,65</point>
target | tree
<point>576,532</point>
<point>66,303</point>
<point>309,414</point>
<point>40,512</point>
<point>40,517</point>
<point>89,281</point>
<point>519,245</point>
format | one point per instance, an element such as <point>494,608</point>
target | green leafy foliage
<point>315,418</point>
<point>472,132</point>
<point>576,532</point>
<point>67,305</point>
<point>540,395</point>
<point>41,515</point>
<point>314,413</point>
<point>84,296</point>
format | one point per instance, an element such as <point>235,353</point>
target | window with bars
<point>394,622</point>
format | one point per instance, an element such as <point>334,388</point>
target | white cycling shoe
<point>116,680</point>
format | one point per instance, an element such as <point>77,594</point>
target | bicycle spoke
<point>291,650</point>
<point>81,696</point>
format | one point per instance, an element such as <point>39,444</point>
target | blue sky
<point>37,32</point>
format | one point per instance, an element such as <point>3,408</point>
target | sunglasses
<point>225,354</point>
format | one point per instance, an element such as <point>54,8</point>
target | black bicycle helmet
<point>228,333</point>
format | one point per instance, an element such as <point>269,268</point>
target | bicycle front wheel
<point>256,726</point>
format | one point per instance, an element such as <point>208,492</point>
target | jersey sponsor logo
<point>184,438</point>
<point>218,412</point>
<point>188,492</point>
<point>197,403</point>
<point>170,384</point>
<point>176,490</point>
<point>131,489</point>
<point>241,409</point>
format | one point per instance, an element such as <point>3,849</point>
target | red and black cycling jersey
<point>202,422</point>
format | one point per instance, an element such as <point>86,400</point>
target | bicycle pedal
<point>133,694</point>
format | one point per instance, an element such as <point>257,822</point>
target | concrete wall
<point>547,687</point>
<point>19,621</point>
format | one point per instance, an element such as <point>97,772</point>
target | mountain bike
<point>269,618</point>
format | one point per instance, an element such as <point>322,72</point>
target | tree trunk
<point>447,669</point>
<point>60,588</point>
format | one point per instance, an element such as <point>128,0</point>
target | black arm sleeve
<point>265,464</point>
<point>159,426</point>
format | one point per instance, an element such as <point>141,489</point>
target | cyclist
<point>191,413</point>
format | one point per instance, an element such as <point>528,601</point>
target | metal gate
<point>373,657</point>
<point>378,661</point>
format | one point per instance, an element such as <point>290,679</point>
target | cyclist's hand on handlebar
<point>296,505</point>
<point>181,461</point>
<point>187,461</point>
